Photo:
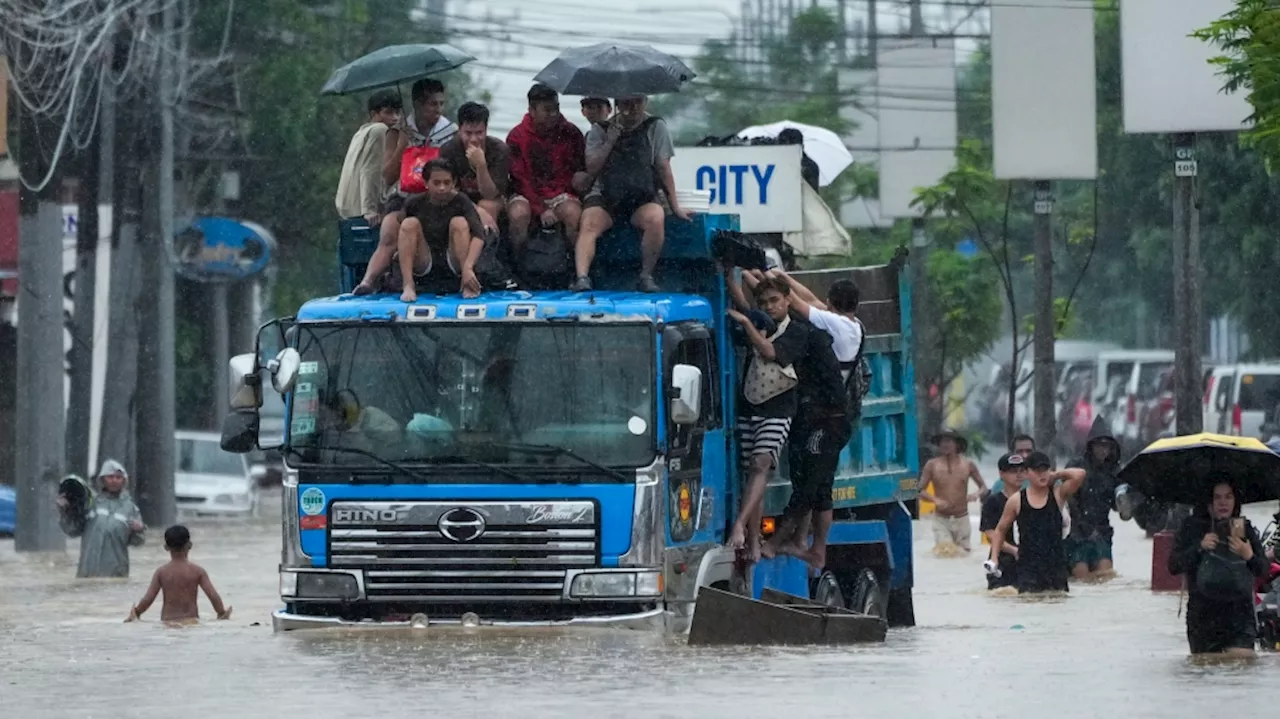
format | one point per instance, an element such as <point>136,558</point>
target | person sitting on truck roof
<point>361,189</point>
<point>597,111</point>
<point>546,151</point>
<point>808,168</point>
<point>767,401</point>
<point>427,97</point>
<point>825,420</point>
<point>480,162</point>
<point>442,232</point>
<point>631,160</point>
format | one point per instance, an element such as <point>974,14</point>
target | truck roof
<point>601,306</point>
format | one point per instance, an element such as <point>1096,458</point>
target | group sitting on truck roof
<point>451,203</point>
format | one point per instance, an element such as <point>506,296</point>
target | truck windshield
<point>460,393</point>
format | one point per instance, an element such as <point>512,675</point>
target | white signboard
<point>760,183</point>
<point>1169,85</point>
<point>1043,90</point>
<point>916,100</point>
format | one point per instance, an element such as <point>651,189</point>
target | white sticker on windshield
<point>637,426</point>
<point>308,368</point>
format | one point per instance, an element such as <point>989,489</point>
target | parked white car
<point>209,481</point>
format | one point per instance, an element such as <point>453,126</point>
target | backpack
<point>546,262</point>
<point>858,383</point>
<point>1224,577</point>
<point>628,176</point>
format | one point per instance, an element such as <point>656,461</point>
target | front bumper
<point>649,620</point>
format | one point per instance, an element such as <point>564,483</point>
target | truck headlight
<point>317,585</point>
<point>288,584</point>
<point>617,584</point>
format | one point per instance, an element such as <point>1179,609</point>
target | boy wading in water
<point>950,473</point>
<point>179,580</point>
<point>1037,511</point>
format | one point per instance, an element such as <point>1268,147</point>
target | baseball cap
<point>1039,461</point>
<point>1011,462</point>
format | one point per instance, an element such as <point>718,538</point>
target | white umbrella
<point>820,144</point>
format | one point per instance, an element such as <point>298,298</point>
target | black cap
<point>1011,462</point>
<point>1039,461</point>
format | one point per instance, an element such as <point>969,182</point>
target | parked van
<point>1254,390</point>
<point>1070,359</point>
<point>1138,370</point>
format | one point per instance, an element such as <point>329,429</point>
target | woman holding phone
<point>1220,554</point>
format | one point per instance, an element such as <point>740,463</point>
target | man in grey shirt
<point>630,158</point>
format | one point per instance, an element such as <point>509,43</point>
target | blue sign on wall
<point>219,249</point>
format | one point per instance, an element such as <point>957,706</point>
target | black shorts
<point>620,211</point>
<point>1213,628</point>
<point>395,203</point>
<point>813,456</point>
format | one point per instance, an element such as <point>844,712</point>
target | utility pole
<point>1045,376</point>
<point>1187,310</point>
<point>80,405</point>
<point>155,414</point>
<point>873,31</point>
<point>39,433</point>
<point>919,272</point>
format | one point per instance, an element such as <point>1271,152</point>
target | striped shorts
<point>763,435</point>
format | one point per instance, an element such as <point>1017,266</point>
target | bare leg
<point>415,256</point>
<point>816,555</point>
<point>460,240</point>
<point>595,222</point>
<point>748,524</point>
<point>799,543</point>
<point>388,240</point>
<point>651,223</point>
<point>1080,571</point>
<point>569,212</point>
<point>519,218</point>
<point>490,211</point>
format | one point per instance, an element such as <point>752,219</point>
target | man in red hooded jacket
<point>546,151</point>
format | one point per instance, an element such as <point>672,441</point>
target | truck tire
<point>868,596</point>
<point>902,610</point>
<point>825,589</point>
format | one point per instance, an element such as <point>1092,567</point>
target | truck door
<point>696,468</point>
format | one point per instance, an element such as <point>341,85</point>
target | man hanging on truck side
<point>767,401</point>
<point>826,418</point>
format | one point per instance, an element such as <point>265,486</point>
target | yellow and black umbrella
<point>1183,470</point>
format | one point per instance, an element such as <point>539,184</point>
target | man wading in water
<point>1037,510</point>
<point>950,474</point>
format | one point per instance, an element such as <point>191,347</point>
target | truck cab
<point>554,457</point>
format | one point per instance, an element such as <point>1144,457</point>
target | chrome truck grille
<point>464,551</point>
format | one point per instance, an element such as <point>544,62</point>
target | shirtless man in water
<point>949,473</point>
<point>179,580</point>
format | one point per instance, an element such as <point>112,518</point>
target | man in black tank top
<point>1037,511</point>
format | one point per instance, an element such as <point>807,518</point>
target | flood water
<point>1113,650</point>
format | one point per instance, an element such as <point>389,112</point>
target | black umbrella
<point>1183,470</point>
<point>392,65</point>
<point>608,70</point>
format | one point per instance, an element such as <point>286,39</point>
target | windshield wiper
<point>558,451</point>
<point>459,459</point>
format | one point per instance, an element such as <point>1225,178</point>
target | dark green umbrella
<point>392,65</point>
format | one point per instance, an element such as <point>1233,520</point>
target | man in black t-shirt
<point>1012,473</point>
<point>442,235</point>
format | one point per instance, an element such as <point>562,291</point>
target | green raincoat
<point>105,534</point>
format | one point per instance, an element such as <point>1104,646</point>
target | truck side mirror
<point>686,394</point>
<point>245,384</point>
<point>284,370</point>
<point>240,431</point>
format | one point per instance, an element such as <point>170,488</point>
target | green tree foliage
<point>1249,36</point>
<point>295,139</point>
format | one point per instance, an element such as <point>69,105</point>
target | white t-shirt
<point>846,335</point>
<point>442,132</point>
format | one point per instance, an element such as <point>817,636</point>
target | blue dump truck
<point>548,458</point>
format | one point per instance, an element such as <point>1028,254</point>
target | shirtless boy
<point>949,473</point>
<point>178,580</point>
